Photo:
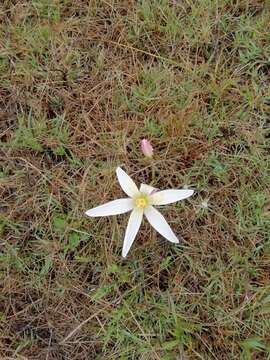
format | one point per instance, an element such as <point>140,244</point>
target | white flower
<point>141,203</point>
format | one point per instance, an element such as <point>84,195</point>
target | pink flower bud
<point>147,148</point>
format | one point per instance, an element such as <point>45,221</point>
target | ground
<point>81,83</point>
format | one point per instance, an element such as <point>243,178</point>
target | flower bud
<point>147,148</point>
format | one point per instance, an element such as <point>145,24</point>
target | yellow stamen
<point>141,202</point>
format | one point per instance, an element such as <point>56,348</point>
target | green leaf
<point>102,292</point>
<point>253,344</point>
<point>74,240</point>
<point>170,345</point>
<point>165,262</point>
<point>47,265</point>
<point>113,269</point>
<point>60,151</point>
<point>59,223</point>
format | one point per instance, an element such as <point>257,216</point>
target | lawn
<point>82,82</point>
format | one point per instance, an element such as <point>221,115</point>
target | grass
<point>81,84</point>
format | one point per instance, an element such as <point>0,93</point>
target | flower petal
<point>147,189</point>
<point>126,183</point>
<point>114,207</point>
<point>165,197</point>
<point>160,224</point>
<point>133,226</point>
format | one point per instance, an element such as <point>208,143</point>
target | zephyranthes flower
<point>140,202</point>
<point>147,148</point>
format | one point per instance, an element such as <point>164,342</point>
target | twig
<point>77,328</point>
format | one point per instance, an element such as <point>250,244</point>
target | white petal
<point>147,189</point>
<point>114,207</point>
<point>126,183</point>
<point>134,223</point>
<point>169,196</point>
<point>160,224</point>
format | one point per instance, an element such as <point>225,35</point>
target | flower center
<point>141,201</point>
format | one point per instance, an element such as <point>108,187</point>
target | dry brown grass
<point>81,84</point>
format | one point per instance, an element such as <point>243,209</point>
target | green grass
<point>80,85</point>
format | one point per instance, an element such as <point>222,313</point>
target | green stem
<point>153,172</point>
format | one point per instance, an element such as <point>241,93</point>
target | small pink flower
<point>147,148</point>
